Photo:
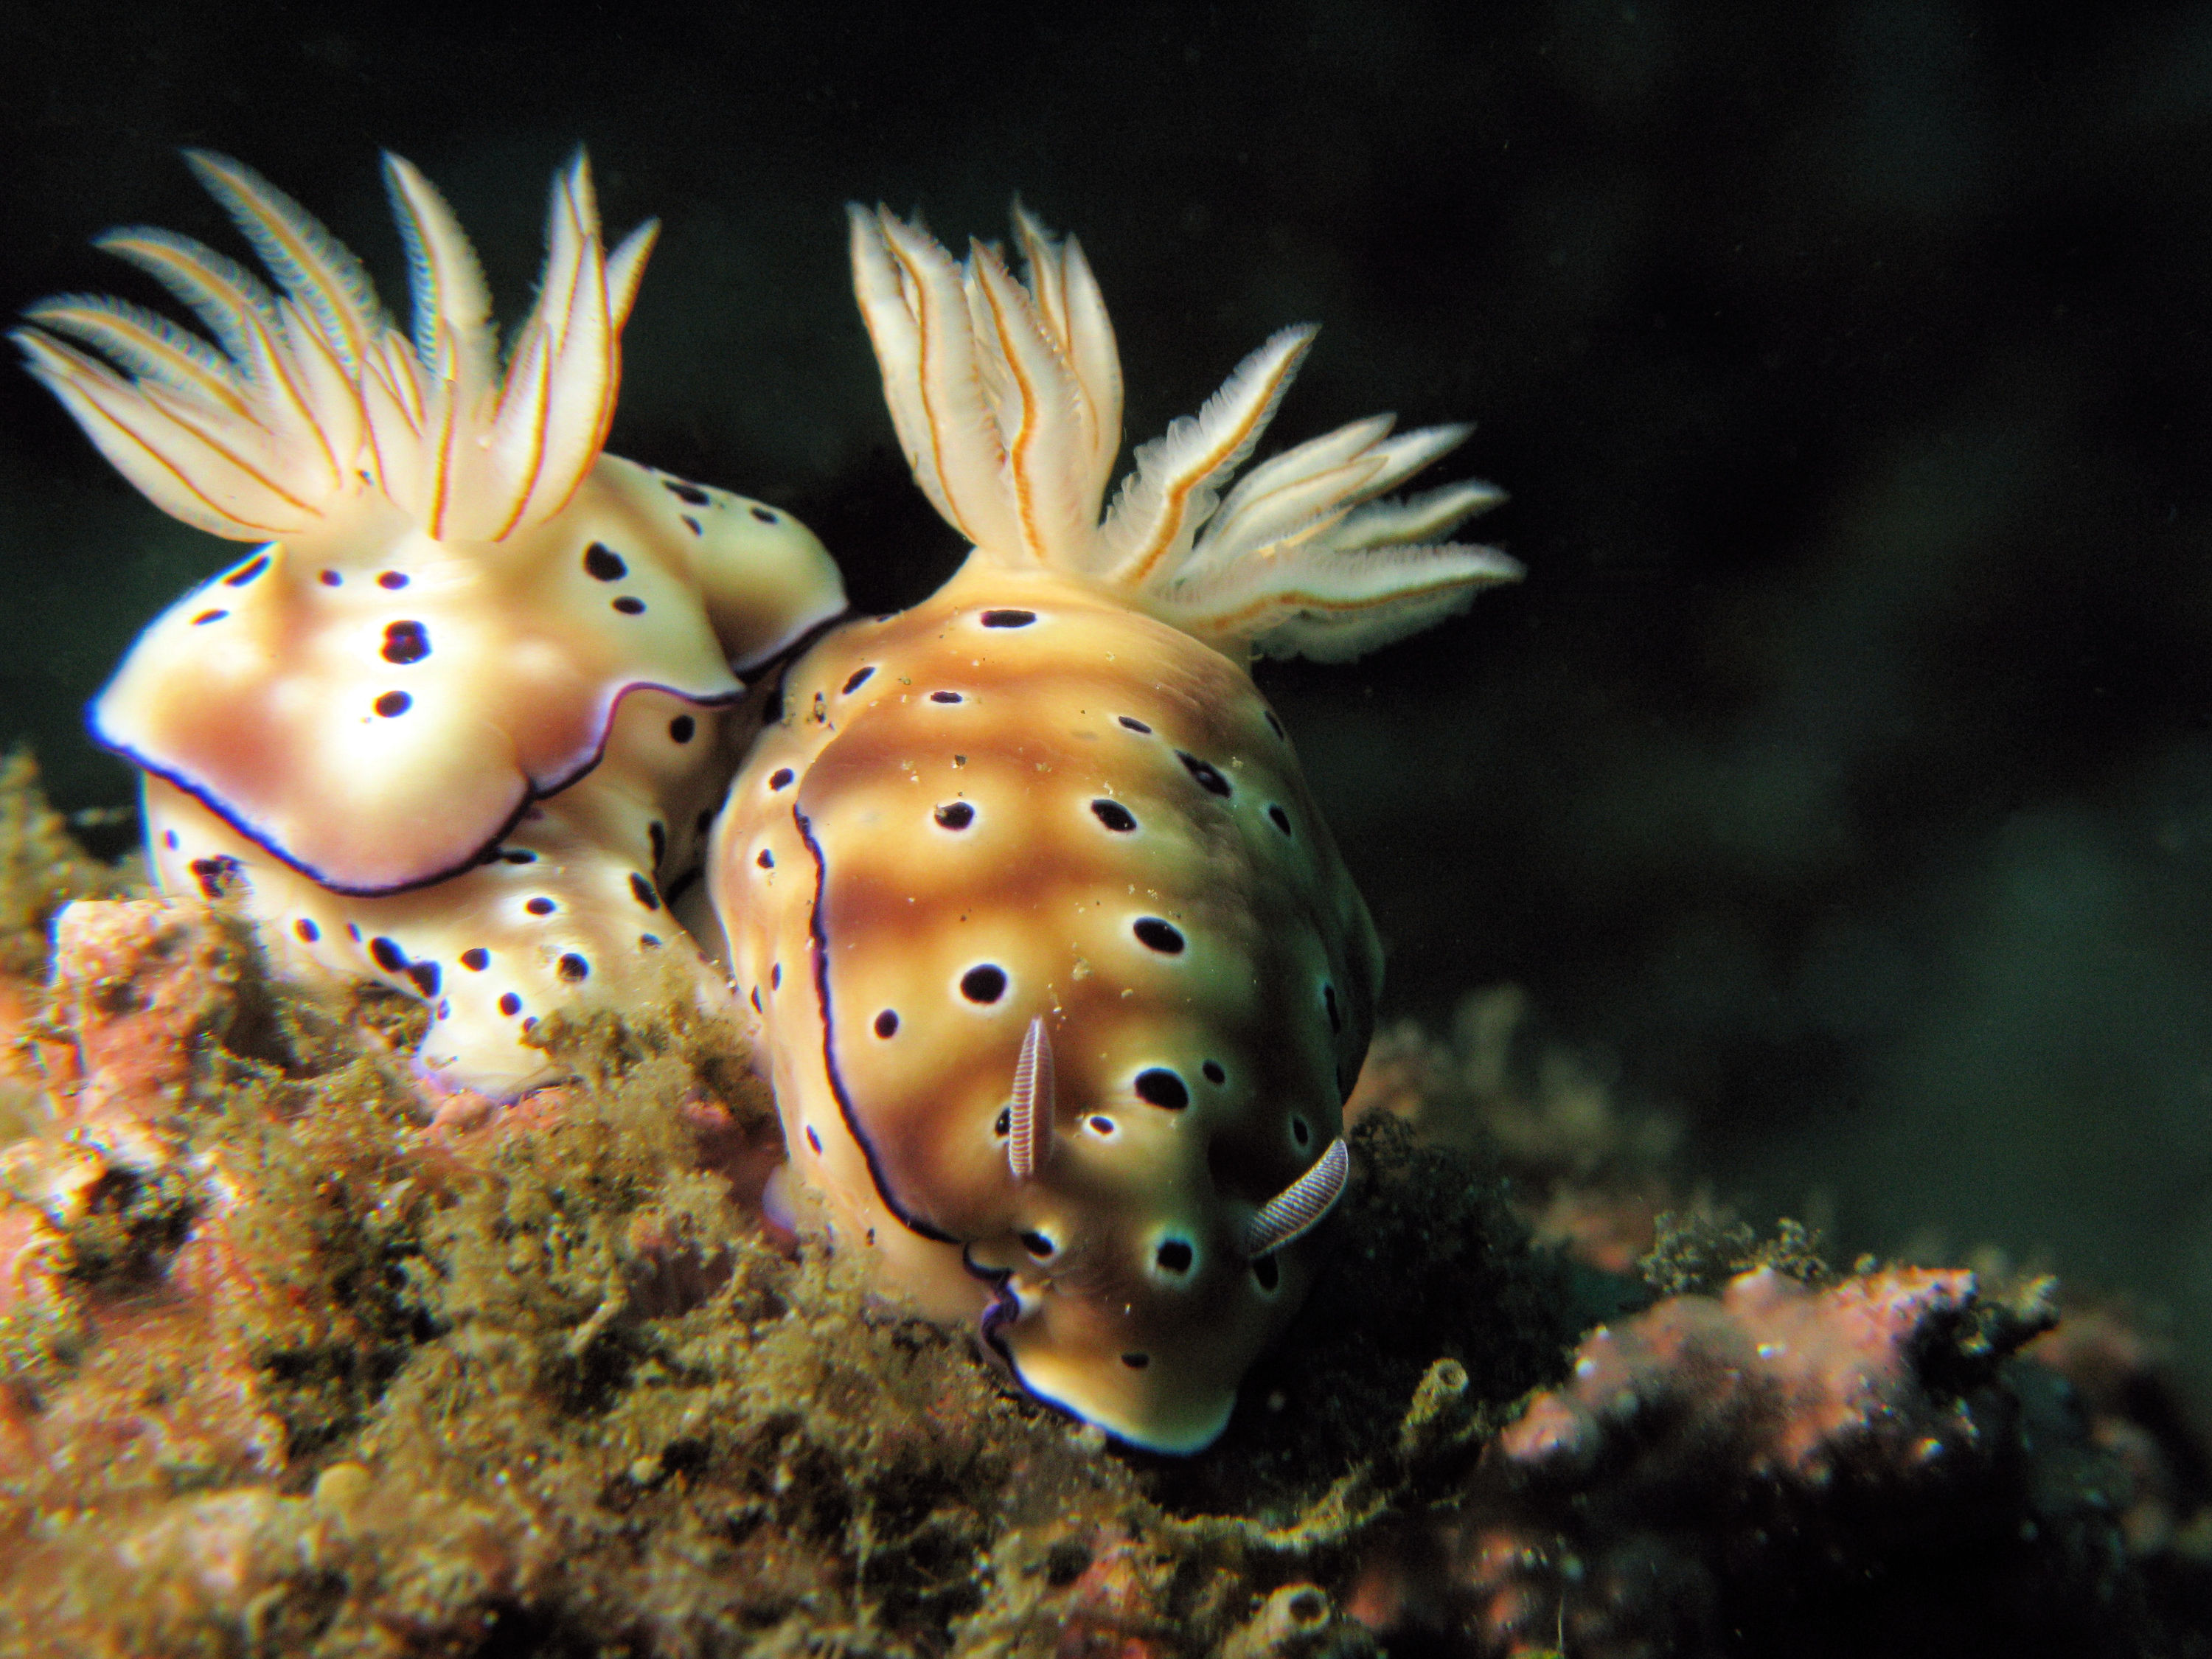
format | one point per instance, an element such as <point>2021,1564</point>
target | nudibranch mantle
<point>457,724</point>
<point>1061,976</point>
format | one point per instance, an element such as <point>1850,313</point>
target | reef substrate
<point>296,1361</point>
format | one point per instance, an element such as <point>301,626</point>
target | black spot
<point>1008,618</point>
<point>602,563</point>
<point>393,704</point>
<point>1213,1072</point>
<point>246,573</point>
<point>986,983</point>
<point>766,860</point>
<point>1114,816</point>
<point>813,1139</point>
<point>392,579</point>
<point>1156,935</point>
<point>213,873</point>
<point>955,815</point>
<point>692,525</point>
<point>509,1004</point>
<point>1175,1255</point>
<point>944,696</point>
<point>629,606</point>
<point>1266,1274</point>
<point>887,1022</point>
<point>1278,817</point>
<point>307,930</point>
<point>1037,1244</point>
<point>331,578</point>
<point>573,967</point>
<point>1275,726</point>
<point>1103,1124</point>
<point>641,891</point>
<point>682,727</point>
<point>1136,1362</point>
<point>690,493</point>
<point>425,976</point>
<point>1136,725</point>
<point>1335,1013</point>
<point>656,833</point>
<point>1156,1085</point>
<point>775,977</point>
<point>1208,779</point>
<point>518,856</point>
<point>1299,1132</point>
<point>1003,1125</point>
<point>207,616</point>
<point>764,515</point>
<point>540,906</point>
<point>405,642</point>
<point>781,778</point>
<point>648,941</point>
<point>856,679</point>
<point>387,955</point>
<point>476,958</point>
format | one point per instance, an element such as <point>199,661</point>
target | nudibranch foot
<point>1060,977</point>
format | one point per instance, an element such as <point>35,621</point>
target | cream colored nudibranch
<point>456,723</point>
<point>1061,978</point>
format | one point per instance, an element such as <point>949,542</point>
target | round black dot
<point>510,1005</point>
<point>331,578</point>
<point>1136,1362</point>
<point>781,778</point>
<point>630,607</point>
<point>1213,1072</point>
<point>307,930</point>
<point>1175,1255</point>
<point>1136,725</point>
<point>393,704</point>
<point>1008,618</point>
<point>603,563</point>
<point>857,678</point>
<point>775,976</point>
<point>1003,1125</point>
<point>405,641</point>
<point>1267,1273</point>
<point>1335,1013</point>
<point>985,982</point>
<point>1114,816</point>
<point>1299,1132</point>
<point>955,815</point>
<point>1279,818</point>
<point>764,515</point>
<point>519,855</point>
<point>641,891</point>
<point>1158,1086</point>
<point>690,493</point>
<point>766,860</point>
<point>540,906</point>
<point>572,968</point>
<point>392,579</point>
<point>944,696</point>
<point>813,1139</point>
<point>387,955</point>
<point>1209,778</point>
<point>682,727</point>
<point>1102,1124</point>
<point>1037,1244</point>
<point>475,959</point>
<point>887,1022</point>
<point>1155,934</point>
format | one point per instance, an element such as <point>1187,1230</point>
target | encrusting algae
<point>298,1362</point>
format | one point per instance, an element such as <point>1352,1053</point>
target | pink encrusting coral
<point>475,641</point>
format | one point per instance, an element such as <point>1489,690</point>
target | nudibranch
<point>1061,978</point>
<point>459,723</point>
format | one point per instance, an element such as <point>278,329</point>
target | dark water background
<point>1843,771</point>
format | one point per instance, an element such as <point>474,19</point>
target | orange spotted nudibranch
<point>1061,979</point>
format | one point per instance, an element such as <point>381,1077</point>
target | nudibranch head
<point>457,588</point>
<point>1061,976</point>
